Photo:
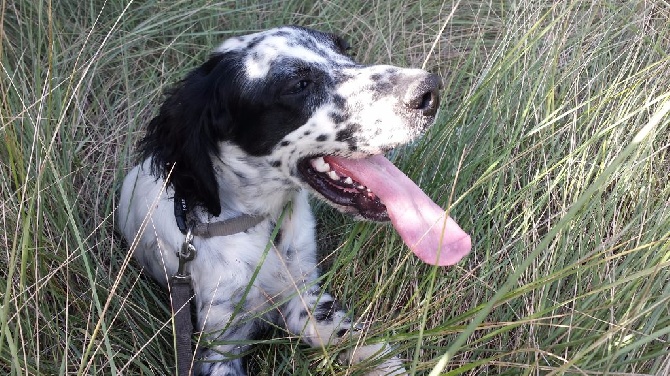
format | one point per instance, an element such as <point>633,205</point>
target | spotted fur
<point>229,138</point>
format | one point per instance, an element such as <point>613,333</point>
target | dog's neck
<point>243,180</point>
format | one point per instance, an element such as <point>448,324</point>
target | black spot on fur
<point>253,43</point>
<point>322,137</point>
<point>340,101</point>
<point>339,77</point>
<point>277,239</point>
<point>324,311</point>
<point>290,252</point>
<point>343,135</point>
<point>282,33</point>
<point>284,143</point>
<point>338,117</point>
<point>275,163</point>
<point>382,87</point>
<point>347,135</point>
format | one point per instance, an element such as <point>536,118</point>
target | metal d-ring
<point>186,253</point>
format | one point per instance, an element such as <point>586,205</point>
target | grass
<point>551,149</point>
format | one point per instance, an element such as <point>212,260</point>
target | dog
<point>266,119</point>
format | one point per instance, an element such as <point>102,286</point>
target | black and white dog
<point>269,117</point>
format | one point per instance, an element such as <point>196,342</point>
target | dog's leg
<point>221,346</point>
<point>212,364</point>
<point>320,321</point>
<point>220,358</point>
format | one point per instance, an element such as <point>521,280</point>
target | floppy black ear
<point>184,136</point>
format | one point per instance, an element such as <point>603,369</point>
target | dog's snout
<point>423,94</point>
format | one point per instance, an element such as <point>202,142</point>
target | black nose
<point>423,94</point>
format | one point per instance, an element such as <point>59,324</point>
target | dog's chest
<point>258,264</point>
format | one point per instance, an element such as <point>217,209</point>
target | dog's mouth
<point>341,189</point>
<point>375,189</point>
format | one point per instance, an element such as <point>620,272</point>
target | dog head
<point>289,96</point>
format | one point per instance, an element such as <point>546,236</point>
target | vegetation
<point>551,149</point>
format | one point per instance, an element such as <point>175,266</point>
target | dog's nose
<point>423,94</point>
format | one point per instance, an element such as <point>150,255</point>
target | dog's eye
<point>298,86</point>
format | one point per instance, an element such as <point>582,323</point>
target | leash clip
<point>185,254</point>
<point>181,295</point>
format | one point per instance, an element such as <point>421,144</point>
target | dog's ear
<point>184,137</point>
<point>342,44</point>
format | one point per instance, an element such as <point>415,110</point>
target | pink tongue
<point>419,221</point>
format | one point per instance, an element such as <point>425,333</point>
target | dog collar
<point>226,227</point>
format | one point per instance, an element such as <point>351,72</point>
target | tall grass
<point>551,150</point>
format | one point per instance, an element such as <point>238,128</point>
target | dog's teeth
<point>324,168</point>
<point>361,187</point>
<point>333,175</point>
<point>348,180</point>
<point>320,165</point>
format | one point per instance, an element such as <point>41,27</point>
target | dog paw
<point>390,366</point>
<point>225,368</point>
